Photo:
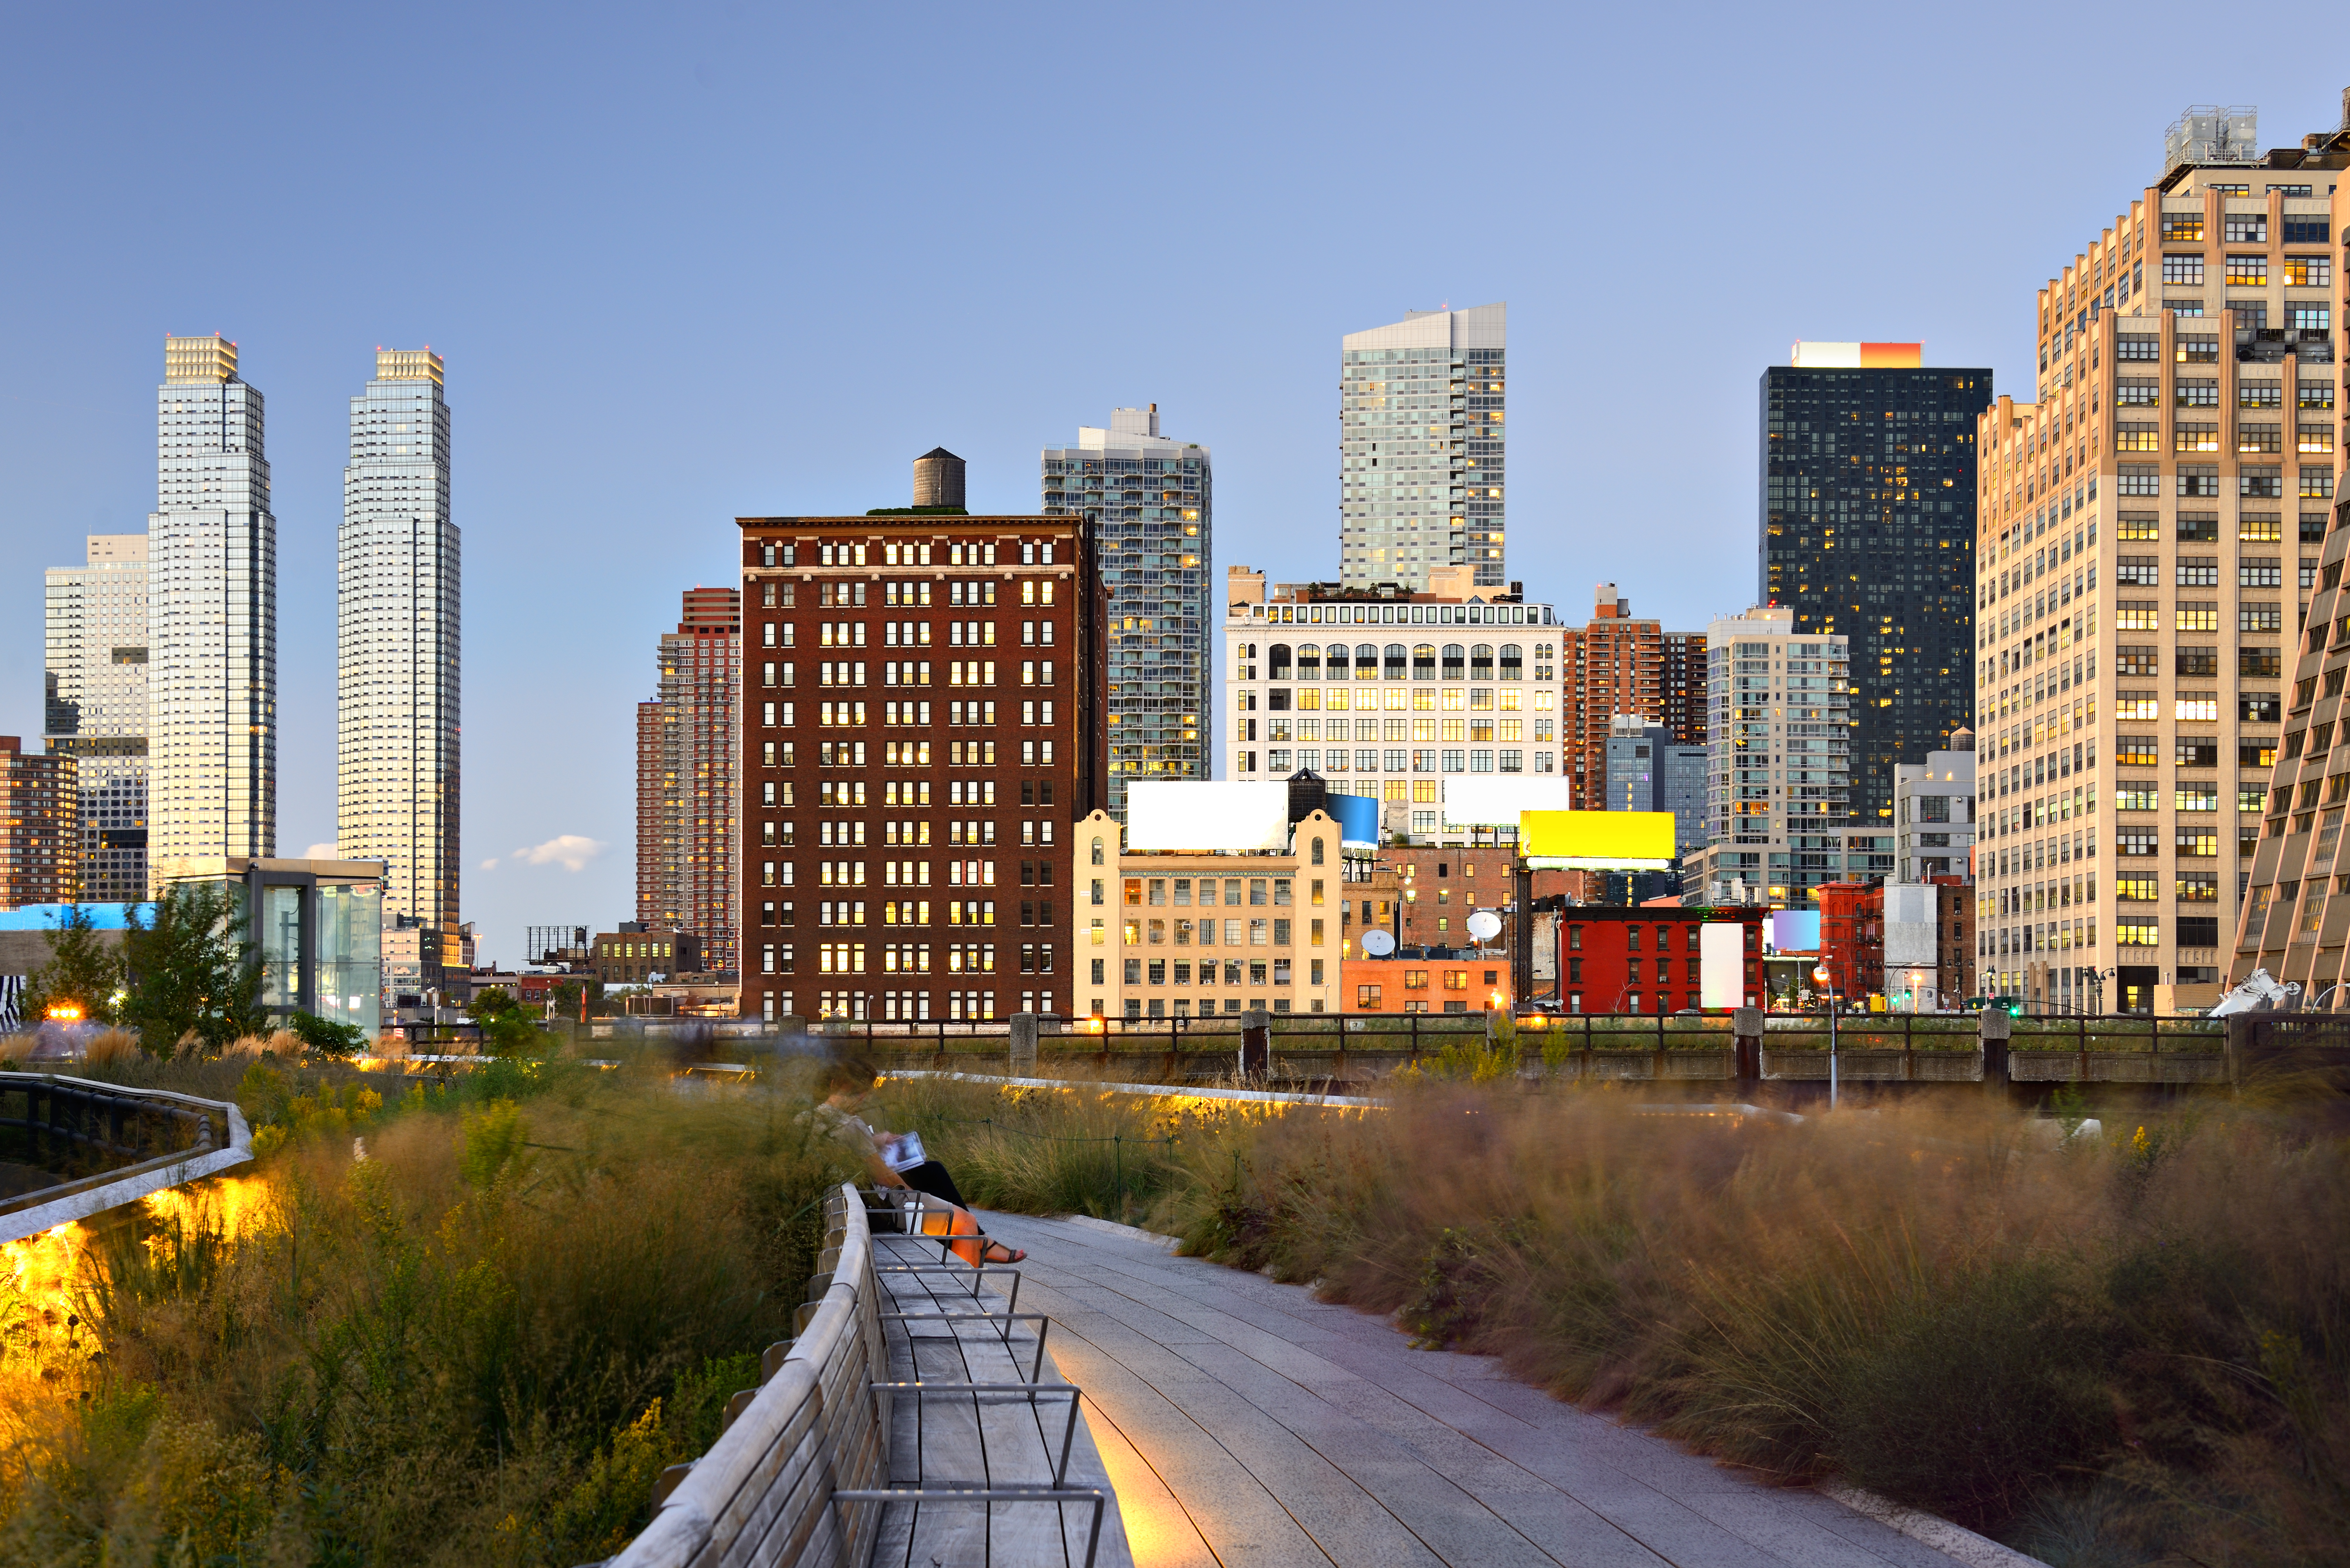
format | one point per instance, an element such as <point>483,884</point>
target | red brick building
<point>1619,664</point>
<point>923,722</point>
<point>40,826</point>
<point>1646,960</point>
<point>1852,937</point>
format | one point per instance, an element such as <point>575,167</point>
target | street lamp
<point>1822,978</point>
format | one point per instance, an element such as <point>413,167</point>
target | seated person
<point>847,1082</point>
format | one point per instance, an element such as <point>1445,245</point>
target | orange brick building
<point>1617,664</point>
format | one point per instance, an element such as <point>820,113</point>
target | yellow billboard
<point>1597,840</point>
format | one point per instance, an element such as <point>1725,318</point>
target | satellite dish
<point>1485,925</point>
<point>1379,943</point>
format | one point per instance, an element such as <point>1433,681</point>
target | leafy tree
<point>84,970</point>
<point>324,1034</point>
<point>567,996</point>
<point>192,971</point>
<point>508,1027</point>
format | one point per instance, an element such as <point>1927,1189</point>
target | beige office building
<point>1176,935</point>
<point>2149,532</point>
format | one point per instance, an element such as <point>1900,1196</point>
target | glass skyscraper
<point>1151,499</point>
<point>1419,448</point>
<point>96,707</point>
<point>397,603</point>
<point>1868,533</point>
<point>212,616</point>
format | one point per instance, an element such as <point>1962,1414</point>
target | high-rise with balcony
<point>2148,529</point>
<point>1420,449</point>
<point>1778,786</point>
<point>1151,501</point>
<point>96,707</point>
<point>396,605</point>
<point>686,774</point>
<point>1868,531</point>
<point>212,616</point>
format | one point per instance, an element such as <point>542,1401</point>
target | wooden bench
<point>913,1419</point>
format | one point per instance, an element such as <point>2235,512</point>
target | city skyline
<point>1656,497</point>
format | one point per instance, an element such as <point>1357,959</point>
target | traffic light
<point>2016,1008</point>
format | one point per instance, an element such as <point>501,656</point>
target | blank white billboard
<point>1722,963</point>
<point>1170,815</point>
<point>1495,800</point>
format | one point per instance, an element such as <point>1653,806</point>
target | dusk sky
<point>696,262</point>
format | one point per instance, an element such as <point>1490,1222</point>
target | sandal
<point>1011,1254</point>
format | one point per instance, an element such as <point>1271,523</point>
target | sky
<point>694,262</point>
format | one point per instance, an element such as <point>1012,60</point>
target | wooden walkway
<point>1243,1422</point>
<point>947,1330</point>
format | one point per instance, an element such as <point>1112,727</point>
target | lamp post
<point>1822,977</point>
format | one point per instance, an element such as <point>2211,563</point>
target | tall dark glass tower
<point>1867,532</point>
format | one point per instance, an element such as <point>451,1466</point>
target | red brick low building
<point>1646,959</point>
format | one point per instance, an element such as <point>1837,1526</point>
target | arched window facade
<point>1453,655</point>
<point>1309,661</point>
<point>1366,661</point>
<point>1097,851</point>
<point>1513,661</point>
<point>1276,662</point>
<point>1481,661</point>
<point>1395,662</point>
<point>1423,661</point>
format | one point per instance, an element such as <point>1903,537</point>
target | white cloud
<point>491,864</point>
<point>320,852</point>
<point>569,850</point>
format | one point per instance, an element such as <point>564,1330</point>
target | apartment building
<point>688,783</point>
<point>1619,665</point>
<point>1934,814</point>
<point>40,826</point>
<point>1648,770</point>
<point>398,645</point>
<point>1151,501</point>
<point>1192,935</point>
<point>1868,531</point>
<point>1384,692</point>
<point>1420,449</point>
<point>1778,814</point>
<point>2148,529</point>
<point>922,722</point>
<point>211,616</point>
<point>96,706</point>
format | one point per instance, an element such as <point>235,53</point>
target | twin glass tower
<point>162,647</point>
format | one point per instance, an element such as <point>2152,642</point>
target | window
<point>2137,392</point>
<point>2260,662</point>
<point>2246,228</point>
<point>2136,843</point>
<point>2316,484</point>
<point>2137,345</point>
<point>2138,571</point>
<point>2138,479</point>
<point>2186,269</point>
<point>2248,271</point>
<point>2263,617</point>
<point>2138,797</point>
<point>2197,348</point>
<point>2137,615</point>
<point>2138,889</point>
<point>2138,933</point>
<point>2259,572</point>
<point>2198,614</point>
<point>2138,438</point>
<point>2195,436</point>
<point>2183,225</point>
<point>2137,659</point>
<point>2308,272</point>
<point>2259,707</point>
<point>2260,438</point>
<point>2201,842</point>
<point>2145,706</point>
<point>2137,751</point>
<point>2195,708</point>
<point>2306,228</point>
<point>2197,797</point>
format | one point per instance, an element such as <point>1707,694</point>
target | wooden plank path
<point>949,1332</point>
<point>1245,1423</point>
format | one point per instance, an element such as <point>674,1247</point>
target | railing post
<point>1994,1025</point>
<point>1746,1027</point>
<point>1257,1042</point>
<point>1021,1039</point>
